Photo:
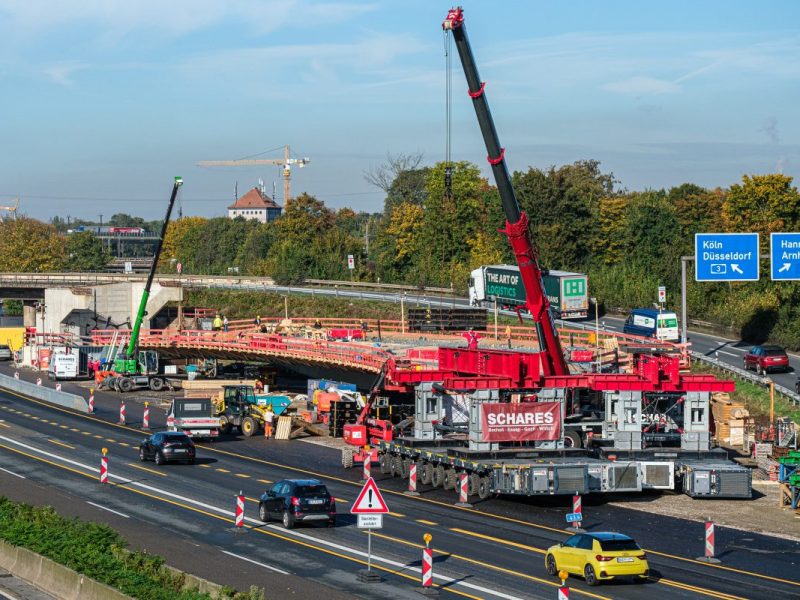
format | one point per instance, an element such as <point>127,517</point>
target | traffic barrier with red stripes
<point>104,467</point>
<point>577,508</point>
<point>146,416</point>
<point>38,381</point>
<point>240,509</point>
<point>463,490</point>
<point>427,567</point>
<point>412,480</point>
<point>16,374</point>
<point>708,556</point>
<point>91,400</point>
<point>563,593</point>
<point>367,465</point>
<point>58,387</point>
<point>122,412</point>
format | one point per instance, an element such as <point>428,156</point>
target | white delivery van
<point>63,366</point>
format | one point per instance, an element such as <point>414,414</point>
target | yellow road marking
<point>342,500</point>
<point>394,514</point>
<point>74,429</point>
<point>35,418</point>
<point>64,426</point>
<point>264,481</point>
<point>86,432</point>
<point>99,437</point>
<point>56,442</point>
<point>205,466</point>
<point>424,522</point>
<point>222,470</point>
<point>249,499</point>
<point>488,565</point>
<point>135,466</point>
<point>5,425</point>
<point>396,493</point>
<point>498,540</point>
<point>110,441</point>
<point>699,590</point>
<point>260,530</point>
<point>243,475</point>
<point>124,444</point>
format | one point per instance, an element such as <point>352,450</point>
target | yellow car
<point>598,557</point>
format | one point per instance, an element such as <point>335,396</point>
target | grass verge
<point>96,551</point>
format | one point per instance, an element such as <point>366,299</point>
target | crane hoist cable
<point>448,163</point>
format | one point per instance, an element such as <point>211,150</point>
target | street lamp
<point>597,333</point>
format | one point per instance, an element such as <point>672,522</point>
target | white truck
<point>193,416</point>
<point>64,366</point>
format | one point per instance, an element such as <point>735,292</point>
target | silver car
<point>5,352</point>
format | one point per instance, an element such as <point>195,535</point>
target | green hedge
<point>96,551</point>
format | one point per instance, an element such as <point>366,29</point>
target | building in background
<point>255,204</point>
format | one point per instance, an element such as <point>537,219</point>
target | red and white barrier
<point>367,465</point>
<point>563,593</point>
<point>427,567</point>
<point>708,555</point>
<point>38,381</point>
<point>16,374</point>
<point>577,508</point>
<point>463,490</point>
<point>146,416</point>
<point>122,412</point>
<point>412,480</point>
<point>58,387</point>
<point>91,401</point>
<point>104,467</point>
<point>240,510</point>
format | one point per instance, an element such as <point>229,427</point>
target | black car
<point>167,446</point>
<point>298,500</point>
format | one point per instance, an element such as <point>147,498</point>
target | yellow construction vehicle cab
<point>236,407</point>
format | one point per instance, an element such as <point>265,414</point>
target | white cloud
<point>642,85</point>
<point>62,73</point>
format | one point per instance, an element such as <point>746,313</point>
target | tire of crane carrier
<point>426,473</point>
<point>347,458</point>
<point>572,439</point>
<point>473,480</point>
<point>125,384</point>
<point>249,427</point>
<point>397,466</point>
<point>450,480</point>
<point>484,487</point>
<point>385,462</point>
<point>156,384</point>
<point>437,476</point>
<point>405,468</point>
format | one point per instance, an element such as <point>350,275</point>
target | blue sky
<point>103,101</point>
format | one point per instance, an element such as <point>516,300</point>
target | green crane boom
<point>128,363</point>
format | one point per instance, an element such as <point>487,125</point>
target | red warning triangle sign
<point>369,500</point>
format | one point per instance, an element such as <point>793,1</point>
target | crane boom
<point>516,220</point>
<point>129,362</point>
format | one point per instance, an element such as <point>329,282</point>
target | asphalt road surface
<point>494,550</point>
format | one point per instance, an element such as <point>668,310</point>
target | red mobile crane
<point>553,362</point>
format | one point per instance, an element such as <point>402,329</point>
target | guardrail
<point>44,393</point>
<point>791,395</point>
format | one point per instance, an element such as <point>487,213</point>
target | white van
<point>63,366</point>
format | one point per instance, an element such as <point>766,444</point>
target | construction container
<point>719,481</point>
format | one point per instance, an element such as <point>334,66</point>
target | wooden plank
<point>284,428</point>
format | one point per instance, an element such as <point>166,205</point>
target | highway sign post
<point>662,294</point>
<point>351,262</point>
<point>784,256</point>
<point>370,508</point>
<point>726,257</point>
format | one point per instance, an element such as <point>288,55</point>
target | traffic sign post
<point>370,508</point>
<point>726,257</point>
<point>662,294</point>
<point>784,256</point>
<point>351,262</point>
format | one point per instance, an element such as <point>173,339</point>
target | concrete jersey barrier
<point>47,394</point>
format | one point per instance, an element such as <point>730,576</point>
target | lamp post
<point>597,333</point>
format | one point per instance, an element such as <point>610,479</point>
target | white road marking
<point>108,509</point>
<point>352,551</point>
<point>728,353</point>
<point>255,562</point>
<point>12,473</point>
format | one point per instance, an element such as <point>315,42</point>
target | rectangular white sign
<point>370,521</point>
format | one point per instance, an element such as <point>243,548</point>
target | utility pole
<point>366,237</point>
<point>684,260</point>
<point>101,219</point>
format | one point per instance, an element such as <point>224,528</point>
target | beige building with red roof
<point>255,204</point>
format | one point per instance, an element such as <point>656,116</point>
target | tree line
<point>426,233</point>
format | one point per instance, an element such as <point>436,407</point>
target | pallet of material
<point>210,384</point>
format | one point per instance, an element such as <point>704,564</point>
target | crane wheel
<point>473,481</point>
<point>156,384</point>
<point>405,468</point>
<point>385,462</point>
<point>397,466</point>
<point>572,439</point>
<point>426,473</point>
<point>437,476</point>
<point>125,384</point>
<point>347,458</point>
<point>248,426</point>
<point>484,487</point>
<point>450,479</point>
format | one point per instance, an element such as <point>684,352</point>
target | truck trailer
<point>566,291</point>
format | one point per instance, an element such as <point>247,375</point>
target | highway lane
<point>453,530</point>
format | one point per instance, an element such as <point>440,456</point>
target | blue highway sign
<point>726,257</point>
<point>784,256</point>
<point>572,517</point>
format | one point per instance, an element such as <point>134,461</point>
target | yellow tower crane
<point>286,162</point>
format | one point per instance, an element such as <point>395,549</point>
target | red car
<point>764,359</point>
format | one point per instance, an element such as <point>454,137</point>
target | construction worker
<point>472,338</point>
<point>257,322</point>
<point>258,386</point>
<point>268,418</point>
<point>317,324</point>
<point>216,325</point>
<point>508,335</point>
<point>225,322</point>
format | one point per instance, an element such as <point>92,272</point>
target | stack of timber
<point>206,388</point>
<point>446,319</point>
<point>730,419</point>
